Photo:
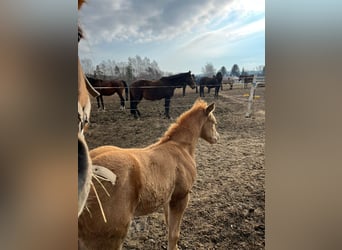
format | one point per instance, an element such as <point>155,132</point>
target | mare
<point>246,79</point>
<point>86,171</point>
<point>158,89</point>
<point>108,88</point>
<point>160,175</point>
<point>214,82</point>
<point>84,106</point>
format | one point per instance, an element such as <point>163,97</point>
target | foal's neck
<point>187,137</point>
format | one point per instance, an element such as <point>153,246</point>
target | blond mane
<point>183,119</point>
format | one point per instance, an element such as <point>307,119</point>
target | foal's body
<point>160,175</point>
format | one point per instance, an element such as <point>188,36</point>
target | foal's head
<point>208,130</point>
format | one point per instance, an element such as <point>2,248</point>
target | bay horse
<point>108,88</point>
<point>246,79</point>
<point>211,82</point>
<point>158,89</point>
<point>160,175</point>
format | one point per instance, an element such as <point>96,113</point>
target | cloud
<point>148,20</point>
<point>194,30</point>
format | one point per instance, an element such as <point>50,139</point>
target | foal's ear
<point>210,108</point>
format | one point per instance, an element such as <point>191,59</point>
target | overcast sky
<point>180,35</point>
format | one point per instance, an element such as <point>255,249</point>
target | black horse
<point>156,90</point>
<point>214,82</point>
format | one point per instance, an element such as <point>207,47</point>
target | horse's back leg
<point>100,243</point>
<point>176,211</point>
<point>102,103</point>
<point>98,102</point>
<point>167,107</point>
<point>122,101</point>
<point>201,91</point>
<point>217,89</point>
<point>134,106</point>
<point>98,235</point>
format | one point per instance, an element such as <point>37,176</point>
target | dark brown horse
<point>108,88</point>
<point>246,79</point>
<point>156,90</point>
<point>211,82</point>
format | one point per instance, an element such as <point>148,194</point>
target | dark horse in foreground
<point>156,90</point>
<point>108,88</point>
<point>214,82</point>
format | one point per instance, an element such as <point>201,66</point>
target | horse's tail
<point>126,89</point>
<point>132,100</point>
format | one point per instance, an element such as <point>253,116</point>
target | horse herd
<point>153,90</point>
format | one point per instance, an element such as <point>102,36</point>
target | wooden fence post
<point>251,98</point>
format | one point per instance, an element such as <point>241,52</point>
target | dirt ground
<point>227,204</point>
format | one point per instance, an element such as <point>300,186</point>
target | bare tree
<point>209,69</point>
<point>87,66</point>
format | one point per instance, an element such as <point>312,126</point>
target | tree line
<point>209,70</point>
<point>144,68</point>
<point>134,68</point>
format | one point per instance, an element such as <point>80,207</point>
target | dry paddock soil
<point>227,205</point>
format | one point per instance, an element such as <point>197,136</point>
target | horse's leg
<point>133,105</point>
<point>196,89</point>
<point>201,91</point>
<point>184,90</point>
<point>107,242</point>
<point>134,109</point>
<point>167,107</point>
<point>101,243</point>
<point>96,234</point>
<point>208,90</point>
<point>98,102</point>
<point>102,103</point>
<point>176,211</point>
<point>122,101</point>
